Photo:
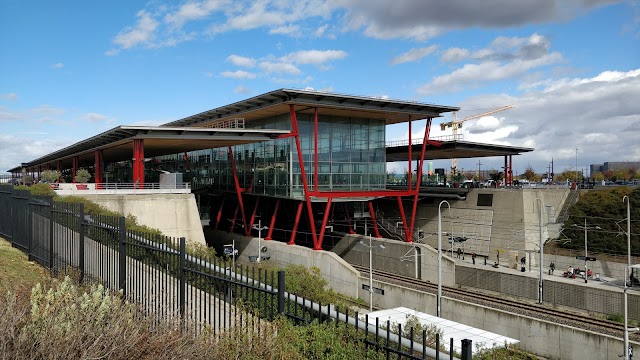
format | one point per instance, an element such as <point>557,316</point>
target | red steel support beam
<point>292,241</point>
<point>59,168</point>
<point>294,125</point>
<point>346,211</point>
<point>98,167</point>
<point>410,170</point>
<point>238,189</point>
<point>427,129</point>
<point>510,170</point>
<point>506,170</point>
<point>186,161</point>
<point>233,221</point>
<point>404,221</point>
<point>373,220</point>
<point>273,220</point>
<point>138,163</point>
<point>253,217</point>
<point>315,152</point>
<point>327,210</point>
<point>74,168</point>
<point>219,213</point>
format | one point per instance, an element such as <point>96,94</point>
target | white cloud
<point>57,66</point>
<point>279,67</point>
<point>320,31</point>
<point>238,60</point>
<point>142,33</point>
<point>241,90</point>
<point>315,57</point>
<point>238,74</point>
<point>95,117</point>
<point>193,10</point>
<point>290,30</point>
<point>565,115</point>
<point>506,58</point>
<point>18,149</point>
<point>9,96</point>
<point>414,55</point>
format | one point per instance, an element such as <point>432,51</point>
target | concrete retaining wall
<point>397,257</point>
<point>176,215</point>
<point>546,339</point>
<point>341,276</point>
<point>608,301</point>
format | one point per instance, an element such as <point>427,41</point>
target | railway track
<point>520,307</point>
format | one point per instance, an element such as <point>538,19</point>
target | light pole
<point>539,201</point>
<point>585,227</point>
<point>438,300</point>
<point>626,315</point>
<point>576,168</point>
<point>370,270</point>
<point>259,228</point>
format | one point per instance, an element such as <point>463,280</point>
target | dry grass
<point>16,271</point>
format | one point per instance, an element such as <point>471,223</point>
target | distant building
<point>614,165</point>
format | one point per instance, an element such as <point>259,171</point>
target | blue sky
<point>571,68</point>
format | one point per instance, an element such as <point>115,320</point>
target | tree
<point>529,174</point>
<point>51,175</point>
<point>495,175</point>
<point>82,175</point>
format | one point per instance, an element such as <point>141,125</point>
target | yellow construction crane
<point>456,124</point>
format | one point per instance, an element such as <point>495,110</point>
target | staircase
<point>391,227</point>
<point>574,194</point>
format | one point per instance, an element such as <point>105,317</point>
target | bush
<point>82,175</point>
<point>51,175</point>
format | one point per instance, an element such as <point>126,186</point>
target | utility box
<point>170,181</point>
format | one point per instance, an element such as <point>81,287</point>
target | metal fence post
<point>466,350</point>
<point>29,229</point>
<point>183,284</point>
<point>280,292</point>
<point>81,245</point>
<point>451,349</point>
<point>51,265</point>
<point>122,268</point>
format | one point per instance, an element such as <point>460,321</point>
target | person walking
<point>458,253</point>
<point>473,257</point>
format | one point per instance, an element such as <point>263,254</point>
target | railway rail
<point>538,311</point>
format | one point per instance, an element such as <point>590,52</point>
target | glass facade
<point>351,156</point>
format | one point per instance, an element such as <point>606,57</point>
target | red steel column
<point>59,168</point>
<point>346,211</point>
<point>273,220</point>
<point>233,222</point>
<point>98,166</point>
<point>292,241</point>
<point>404,221</point>
<point>138,162</point>
<point>315,153</point>
<point>219,213</point>
<point>187,162</point>
<point>238,189</point>
<point>410,159</point>
<point>253,217</point>
<point>510,169</point>
<point>294,124</point>
<point>427,129</point>
<point>373,220</point>
<point>327,210</point>
<point>39,172</point>
<point>74,166</point>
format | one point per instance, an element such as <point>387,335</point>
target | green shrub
<point>82,175</point>
<point>51,175</point>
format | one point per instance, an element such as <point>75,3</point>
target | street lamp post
<point>585,227</point>
<point>439,299</point>
<point>370,246</point>
<point>626,315</point>
<point>541,253</point>
<point>259,228</point>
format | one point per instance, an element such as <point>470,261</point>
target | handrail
<point>405,142</point>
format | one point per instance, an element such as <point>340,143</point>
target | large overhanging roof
<point>328,104</point>
<point>453,150</point>
<point>158,141</point>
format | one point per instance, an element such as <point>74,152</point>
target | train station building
<point>303,163</point>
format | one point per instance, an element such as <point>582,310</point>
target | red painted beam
<point>238,189</point>
<point>292,241</point>
<point>220,213</point>
<point>253,217</point>
<point>315,151</point>
<point>327,210</point>
<point>427,129</point>
<point>233,221</point>
<point>74,168</point>
<point>98,167</point>
<point>408,237</point>
<point>346,211</point>
<point>294,124</point>
<point>373,219</point>
<point>410,170</point>
<point>273,220</point>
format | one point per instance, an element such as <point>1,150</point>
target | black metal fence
<point>158,273</point>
